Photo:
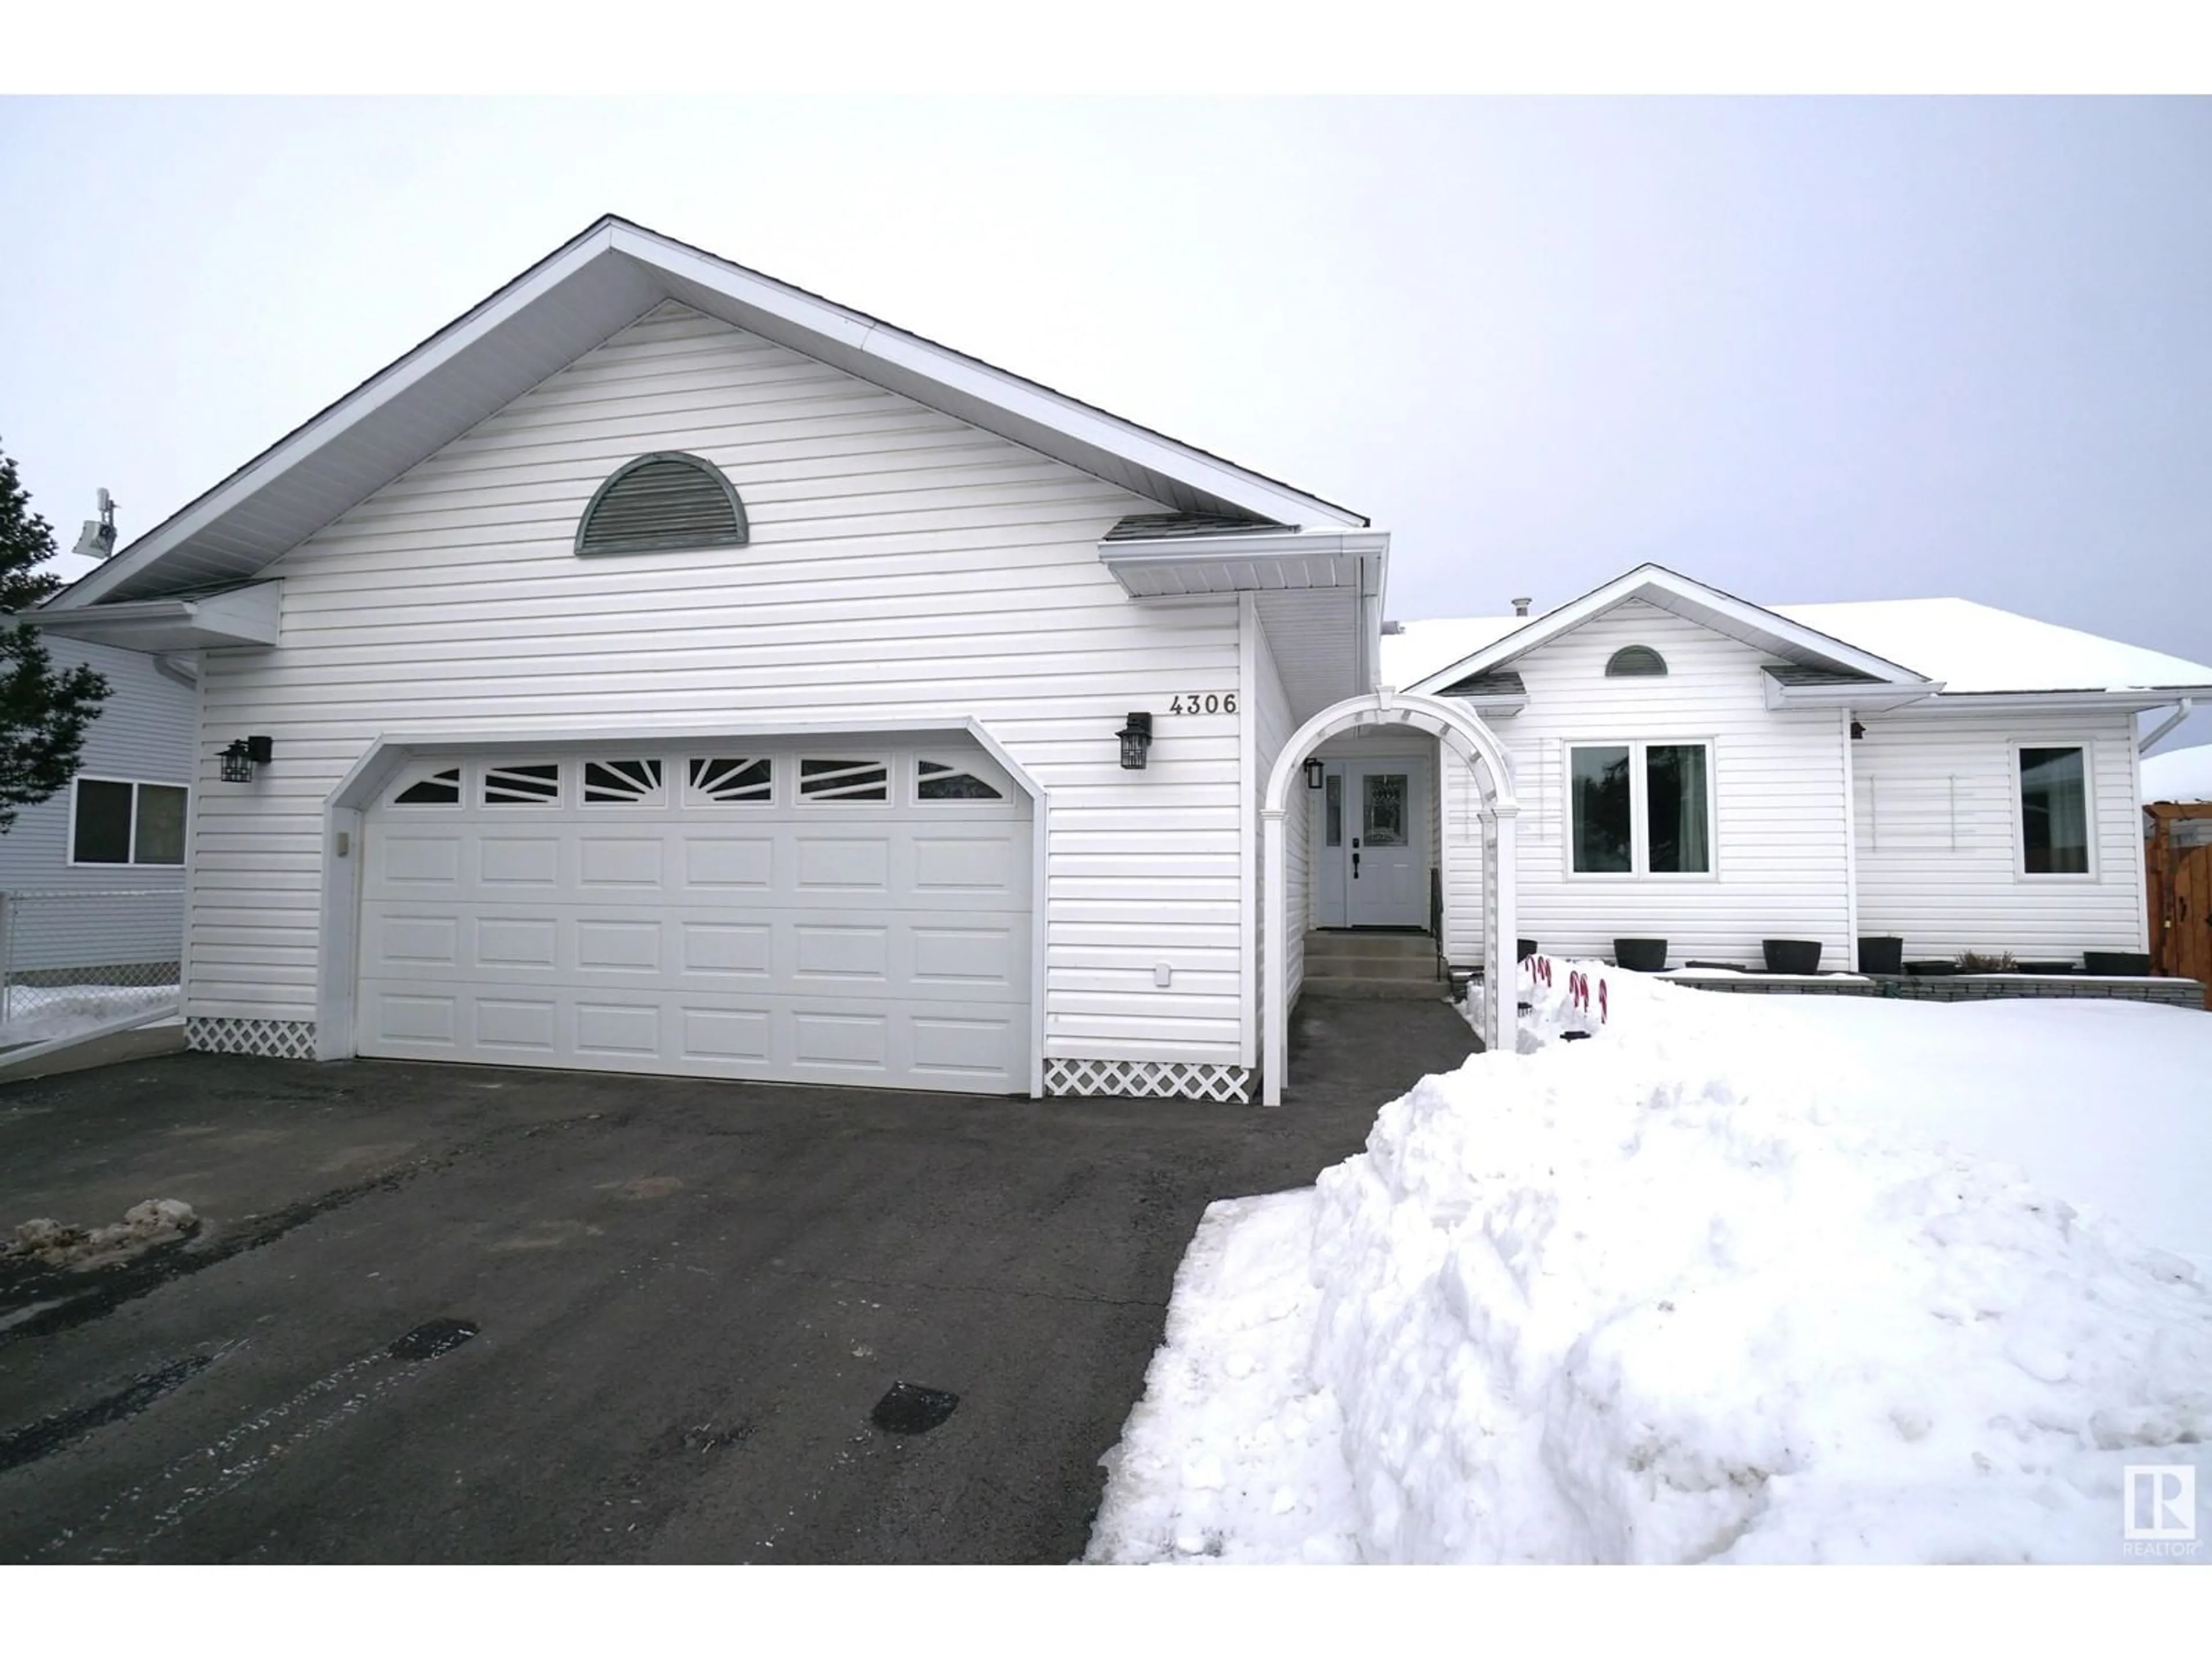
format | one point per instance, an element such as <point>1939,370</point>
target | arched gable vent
<point>1634,659</point>
<point>659,502</point>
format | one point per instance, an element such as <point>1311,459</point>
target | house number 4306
<point>1203,703</point>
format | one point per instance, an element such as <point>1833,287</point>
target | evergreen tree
<point>43,714</point>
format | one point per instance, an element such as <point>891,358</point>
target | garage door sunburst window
<point>522,786</point>
<point>844,779</point>
<point>727,780</point>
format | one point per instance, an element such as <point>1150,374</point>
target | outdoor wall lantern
<point>1857,731</point>
<point>1136,738</point>
<point>1313,775</point>
<point>243,755</point>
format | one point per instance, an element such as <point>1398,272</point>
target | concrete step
<point>1369,947</point>
<point>1372,989</point>
<point>1423,967</point>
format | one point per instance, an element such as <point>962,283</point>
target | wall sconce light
<point>1857,731</point>
<point>1313,775</point>
<point>242,755</point>
<point>1136,738</point>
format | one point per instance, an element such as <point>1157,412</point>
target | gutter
<point>2181,714</point>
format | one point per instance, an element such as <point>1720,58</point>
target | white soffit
<point>561,308</point>
<point>1248,563</point>
<point>245,615</point>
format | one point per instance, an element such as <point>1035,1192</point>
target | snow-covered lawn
<point>1744,1279</point>
<point>41,1013</point>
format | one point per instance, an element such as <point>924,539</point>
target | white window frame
<point>2021,873</point>
<point>1639,836</point>
<point>132,862</point>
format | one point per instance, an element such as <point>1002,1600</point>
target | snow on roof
<point>1422,648</point>
<point>2178,775</point>
<point>1973,647</point>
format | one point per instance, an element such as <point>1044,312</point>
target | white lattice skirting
<point>271,1039</point>
<point>1175,1080</point>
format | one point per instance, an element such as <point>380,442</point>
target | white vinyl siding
<point>902,563</point>
<point>1778,809</point>
<point>144,732</point>
<point>1273,724</point>
<point>1938,828</point>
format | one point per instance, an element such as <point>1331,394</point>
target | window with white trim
<point>2054,810</point>
<point>1642,809</point>
<point>121,821</point>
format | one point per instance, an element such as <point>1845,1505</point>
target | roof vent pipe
<point>1520,607</point>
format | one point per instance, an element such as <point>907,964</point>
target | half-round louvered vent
<point>663,501</point>
<point>1634,660</point>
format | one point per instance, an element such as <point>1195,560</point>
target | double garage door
<point>835,911</point>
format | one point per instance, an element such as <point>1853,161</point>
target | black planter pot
<point>1792,955</point>
<point>1880,954</point>
<point>1643,955</point>
<point>2127,964</point>
<point>1930,969</point>
<point>1526,948</point>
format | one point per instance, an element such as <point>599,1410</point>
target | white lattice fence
<point>1174,1079</point>
<point>271,1039</point>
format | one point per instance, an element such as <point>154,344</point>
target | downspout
<point>2181,713</point>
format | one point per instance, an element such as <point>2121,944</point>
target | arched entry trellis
<point>1460,730</point>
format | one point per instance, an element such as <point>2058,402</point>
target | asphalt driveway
<point>460,1314</point>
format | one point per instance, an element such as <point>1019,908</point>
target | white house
<point>664,669</point>
<point>1694,768</point>
<point>95,875</point>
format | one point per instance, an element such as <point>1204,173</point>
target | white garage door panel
<point>914,1045</point>
<point>826,953</point>
<point>886,942</point>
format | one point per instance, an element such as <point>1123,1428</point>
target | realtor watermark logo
<point>2158,1509</point>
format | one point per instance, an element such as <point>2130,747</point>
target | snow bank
<point>46,1013</point>
<point>2178,775</point>
<point>1666,1294</point>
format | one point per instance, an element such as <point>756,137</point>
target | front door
<point>1386,858</point>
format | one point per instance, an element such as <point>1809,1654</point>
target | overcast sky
<point>1804,350</point>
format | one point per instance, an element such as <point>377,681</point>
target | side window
<point>938,781</point>
<point>116,822</point>
<point>2054,811</point>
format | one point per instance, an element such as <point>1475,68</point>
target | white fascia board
<point>246,616</point>
<point>392,382</point>
<point>1669,591</point>
<point>1869,697</point>
<point>2135,697</point>
<point>968,376</point>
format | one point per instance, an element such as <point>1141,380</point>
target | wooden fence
<point>2178,862</point>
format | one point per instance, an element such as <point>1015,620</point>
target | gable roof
<point>1779,635</point>
<point>578,296</point>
